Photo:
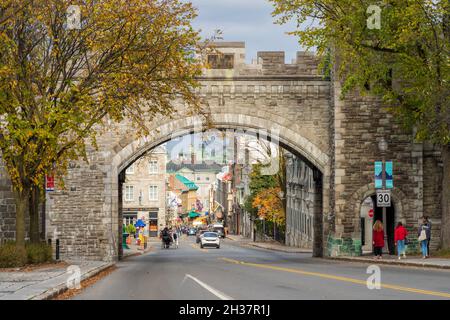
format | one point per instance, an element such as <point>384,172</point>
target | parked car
<point>199,235</point>
<point>210,239</point>
<point>192,232</point>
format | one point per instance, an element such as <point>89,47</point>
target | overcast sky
<point>246,20</point>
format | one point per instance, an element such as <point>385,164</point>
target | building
<point>186,191</point>
<point>202,174</point>
<point>144,191</point>
<point>301,197</point>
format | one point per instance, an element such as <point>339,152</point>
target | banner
<point>378,174</point>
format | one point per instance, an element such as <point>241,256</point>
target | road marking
<point>217,293</point>
<point>339,278</point>
<point>198,248</point>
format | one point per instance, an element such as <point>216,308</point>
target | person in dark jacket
<point>424,242</point>
<point>378,239</point>
<point>399,237</point>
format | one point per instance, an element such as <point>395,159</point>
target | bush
<point>11,257</point>
<point>38,252</point>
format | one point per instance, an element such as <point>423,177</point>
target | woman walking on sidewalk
<point>399,238</point>
<point>378,239</point>
<point>424,234</point>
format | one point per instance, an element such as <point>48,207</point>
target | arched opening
<point>313,179</point>
<point>369,213</point>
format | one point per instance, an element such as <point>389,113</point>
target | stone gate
<point>337,138</point>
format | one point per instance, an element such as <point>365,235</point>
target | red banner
<point>49,183</point>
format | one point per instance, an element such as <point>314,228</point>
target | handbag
<point>423,235</point>
<point>406,241</point>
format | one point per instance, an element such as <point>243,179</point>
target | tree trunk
<point>34,215</point>
<point>445,226</point>
<point>22,199</point>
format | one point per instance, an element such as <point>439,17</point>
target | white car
<point>210,239</point>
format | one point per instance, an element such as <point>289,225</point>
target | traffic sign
<point>370,213</point>
<point>383,198</point>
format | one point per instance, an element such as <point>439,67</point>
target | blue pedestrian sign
<point>389,175</point>
<point>378,174</point>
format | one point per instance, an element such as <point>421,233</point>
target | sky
<point>246,20</point>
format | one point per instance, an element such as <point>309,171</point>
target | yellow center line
<point>339,278</point>
<point>198,248</point>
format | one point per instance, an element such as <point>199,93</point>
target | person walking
<point>424,233</point>
<point>175,238</point>
<point>378,239</point>
<point>399,238</point>
<point>428,235</point>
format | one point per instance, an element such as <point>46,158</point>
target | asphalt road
<point>238,272</point>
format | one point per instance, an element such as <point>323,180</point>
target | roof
<point>188,183</point>
<point>196,167</point>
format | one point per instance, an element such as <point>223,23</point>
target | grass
<point>443,253</point>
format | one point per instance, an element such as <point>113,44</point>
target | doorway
<point>389,224</point>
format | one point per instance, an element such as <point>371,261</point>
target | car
<point>192,232</point>
<point>199,235</point>
<point>219,229</point>
<point>210,239</point>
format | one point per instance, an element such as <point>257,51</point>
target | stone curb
<point>257,245</point>
<point>387,262</point>
<point>51,293</point>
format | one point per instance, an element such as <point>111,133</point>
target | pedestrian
<point>424,233</point>
<point>175,238</point>
<point>378,239</point>
<point>428,236</point>
<point>400,238</point>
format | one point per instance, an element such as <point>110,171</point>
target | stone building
<point>301,198</point>
<point>144,191</point>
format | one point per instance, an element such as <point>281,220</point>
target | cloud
<point>246,20</point>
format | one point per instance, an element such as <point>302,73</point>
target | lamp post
<point>383,146</point>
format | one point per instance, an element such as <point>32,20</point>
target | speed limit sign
<point>383,198</point>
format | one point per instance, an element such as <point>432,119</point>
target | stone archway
<point>287,138</point>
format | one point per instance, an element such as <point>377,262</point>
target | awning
<point>193,214</point>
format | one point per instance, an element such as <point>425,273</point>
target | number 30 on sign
<point>383,198</point>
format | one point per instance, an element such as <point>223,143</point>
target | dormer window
<point>221,61</point>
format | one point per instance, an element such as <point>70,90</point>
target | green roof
<point>188,183</point>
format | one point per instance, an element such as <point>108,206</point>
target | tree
<point>270,205</point>
<point>59,85</point>
<point>405,61</point>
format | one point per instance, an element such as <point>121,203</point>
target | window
<point>153,166</point>
<point>198,178</point>
<point>207,178</point>
<point>153,193</point>
<point>130,169</point>
<point>129,193</point>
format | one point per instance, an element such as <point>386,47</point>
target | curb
<point>51,293</point>
<point>396,263</point>
<point>279,249</point>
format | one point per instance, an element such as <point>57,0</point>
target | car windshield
<point>210,235</point>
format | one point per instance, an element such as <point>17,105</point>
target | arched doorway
<point>369,213</point>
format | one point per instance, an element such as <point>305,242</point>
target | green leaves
<point>406,61</point>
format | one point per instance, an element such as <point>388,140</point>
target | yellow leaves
<point>269,205</point>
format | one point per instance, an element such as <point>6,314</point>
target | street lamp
<point>383,146</point>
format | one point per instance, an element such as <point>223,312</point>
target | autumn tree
<point>270,205</point>
<point>58,83</point>
<point>404,59</point>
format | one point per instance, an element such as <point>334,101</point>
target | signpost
<point>384,180</point>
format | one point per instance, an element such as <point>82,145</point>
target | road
<point>236,271</point>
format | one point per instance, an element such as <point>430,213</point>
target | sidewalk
<point>47,282</point>
<point>267,245</point>
<point>412,261</point>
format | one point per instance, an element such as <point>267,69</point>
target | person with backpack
<point>400,238</point>
<point>378,239</point>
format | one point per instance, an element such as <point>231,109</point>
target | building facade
<point>144,192</point>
